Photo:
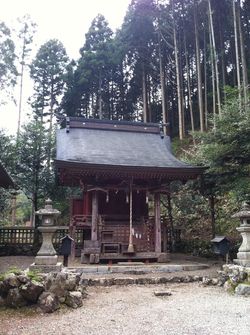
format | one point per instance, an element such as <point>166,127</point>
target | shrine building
<point>122,169</point>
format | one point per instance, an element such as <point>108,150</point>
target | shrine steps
<point>131,268</point>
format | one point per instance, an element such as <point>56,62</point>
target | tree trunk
<point>198,67</point>
<point>163,89</point>
<point>212,72</point>
<point>177,66</point>
<point>182,91</point>
<point>243,59</point>
<point>149,97</point>
<point>189,87</point>
<point>144,94</point>
<point>215,57</point>
<point>112,117</point>
<point>205,81</point>
<point>20,99</point>
<point>237,60</point>
<point>222,58</point>
<point>50,128</point>
<point>100,97</point>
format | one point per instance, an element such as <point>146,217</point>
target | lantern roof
<point>244,212</point>
<point>48,209</point>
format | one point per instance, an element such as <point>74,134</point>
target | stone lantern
<point>243,256</point>
<point>46,259</point>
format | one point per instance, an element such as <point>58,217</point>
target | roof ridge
<point>142,127</point>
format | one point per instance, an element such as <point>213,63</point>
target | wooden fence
<point>19,240</point>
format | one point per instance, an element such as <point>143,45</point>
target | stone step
<point>130,263</point>
<point>123,281</point>
<point>135,269</point>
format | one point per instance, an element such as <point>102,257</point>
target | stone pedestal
<point>47,254</point>
<point>47,259</point>
<point>243,256</point>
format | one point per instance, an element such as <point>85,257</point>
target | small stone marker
<point>162,293</point>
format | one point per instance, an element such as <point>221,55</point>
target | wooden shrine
<point>122,169</point>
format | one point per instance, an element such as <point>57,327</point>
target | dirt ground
<point>20,262</point>
<point>190,310</point>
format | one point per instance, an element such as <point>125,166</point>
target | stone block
<point>84,258</point>
<point>74,299</point>
<point>31,291</point>
<point>162,293</point>
<point>243,289</point>
<point>46,268</point>
<point>48,302</point>
<point>14,299</point>
<point>46,260</point>
<point>94,258</point>
<point>163,258</point>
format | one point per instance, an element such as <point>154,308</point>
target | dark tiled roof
<point>116,147</point>
<point>5,179</point>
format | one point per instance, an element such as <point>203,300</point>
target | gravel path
<point>190,310</point>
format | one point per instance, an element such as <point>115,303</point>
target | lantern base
<point>242,262</point>
<point>46,268</point>
<point>46,260</point>
<point>243,258</point>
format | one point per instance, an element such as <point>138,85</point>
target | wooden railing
<point>114,228</point>
<point>14,235</point>
<point>81,220</point>
<point>25,236</point>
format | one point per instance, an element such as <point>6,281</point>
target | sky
<point>67,21</point>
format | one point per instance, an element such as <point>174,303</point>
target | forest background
<point>180,62</point>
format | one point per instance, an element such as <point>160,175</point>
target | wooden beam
<point>94,216</point>
<point>157,203</point>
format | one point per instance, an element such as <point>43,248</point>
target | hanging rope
<point>130,247</point>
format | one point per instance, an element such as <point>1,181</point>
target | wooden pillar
<point>130,245</point>
<point>157,198</point>
<point>13,209</point>
<point>164,237</point>
<point>94,216</point>
<point>72,230</point>
<point>72,234</point>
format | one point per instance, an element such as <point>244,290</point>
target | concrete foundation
<point>46,268</point>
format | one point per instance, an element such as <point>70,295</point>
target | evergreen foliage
<point>8,72</point>
<point>225,149</point>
